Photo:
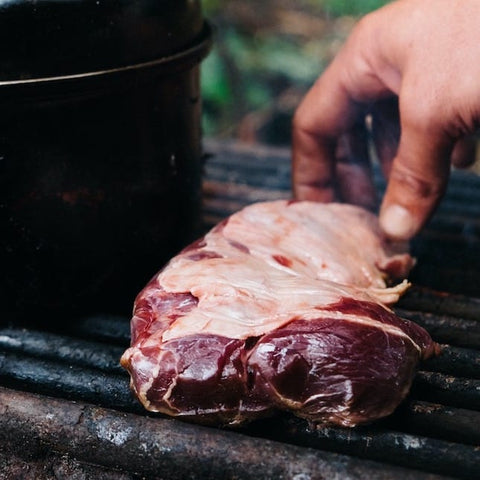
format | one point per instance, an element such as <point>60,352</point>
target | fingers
<point>385,126</point>
<point>333,106</point>
<point>464,152</point>
<point>323,115</point>
<point>417,181</point>
<point>330,158</point>
<point>353,169</point>
<point>420,173</point>
<point>391,52</point>
<point>327,169</point>
<point>312,166</point>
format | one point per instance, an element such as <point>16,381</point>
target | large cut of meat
<point>283,306</point>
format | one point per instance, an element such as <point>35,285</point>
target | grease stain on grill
<point>6,340</point>
<point>427,408</point>
<point>118,435</point>
<point>301,476</point>
<point>410,442</point>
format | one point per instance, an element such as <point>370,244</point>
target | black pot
<point>100,149</point>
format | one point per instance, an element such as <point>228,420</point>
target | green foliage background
<point>268,51</point>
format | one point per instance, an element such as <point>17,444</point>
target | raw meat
<point>283,306</point>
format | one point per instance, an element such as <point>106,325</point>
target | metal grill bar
<point>62,349</point>
<point>458,392</point>
<point>456,361</point>
<point>55,364</point>
<point>165,449</point>
<point>425,300</point>
<point>85,370</point>
<point>67,381</point>
<point>446,328</point>
<point>437,421</point>
<point>385,445</point>
<point>449,247</point>
<point>436,430</point>
<point>15,467</point>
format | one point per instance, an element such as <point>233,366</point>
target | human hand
<point>422,56</point>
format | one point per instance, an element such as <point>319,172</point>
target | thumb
<point>417,182</point>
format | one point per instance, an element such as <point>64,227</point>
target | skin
<point>409,74</point>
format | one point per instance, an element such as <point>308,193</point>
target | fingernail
<point>397,222</point>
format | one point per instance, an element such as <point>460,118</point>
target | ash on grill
<point>66,408</point>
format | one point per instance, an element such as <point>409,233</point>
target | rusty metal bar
<point>67,381</point>
<point>88,370</point>
<point>427,300</point>
<point>445,328</point>
<point>453,361</point>
<point>448,248</point>
<point>54,466</point>
<point>458,224</point>
<point>266,166</point>
<point>459,362</point>
<point>62,379</point>
<point>375,443</point>
<point>263,171</point>
<point>159,448</point>
<point>60,348</point>
<point>448,390</point>
<point>437,421</point>
<point>459,280</point>
<point>50,361</point>
<point>101,328</point>
<point>269,174</point>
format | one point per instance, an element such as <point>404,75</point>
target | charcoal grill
<point>66,410</point>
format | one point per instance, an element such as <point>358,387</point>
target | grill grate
<point>65,403</point>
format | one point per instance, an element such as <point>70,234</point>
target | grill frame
<point>57,381</point>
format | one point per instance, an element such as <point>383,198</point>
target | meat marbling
<point>283,306</point>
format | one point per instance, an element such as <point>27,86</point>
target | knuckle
<point>421,116</point>
<point>298,121</point>
<point>416,185</point>
<point>365,24</point>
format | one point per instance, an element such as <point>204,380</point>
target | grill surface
<point>66,409</point>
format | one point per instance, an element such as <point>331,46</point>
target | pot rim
<point>181,59</point>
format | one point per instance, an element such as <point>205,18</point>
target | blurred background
<point>265,57</point>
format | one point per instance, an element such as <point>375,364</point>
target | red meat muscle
<point>283,306</point>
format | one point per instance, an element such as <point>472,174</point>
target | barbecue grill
<point>66,410</point>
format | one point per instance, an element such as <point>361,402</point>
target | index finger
<point>320,119</point>
<point>331,107</point>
